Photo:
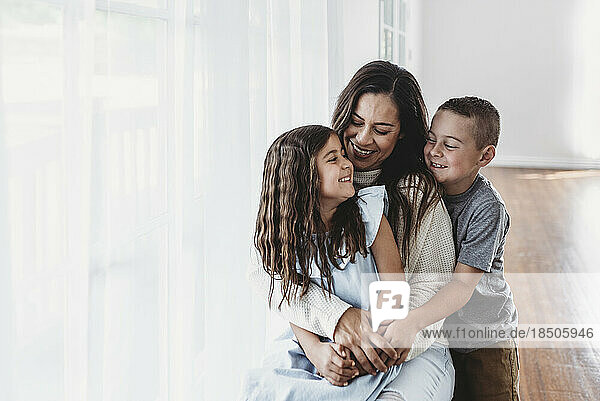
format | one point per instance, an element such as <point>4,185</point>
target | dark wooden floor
<point>555,228</point>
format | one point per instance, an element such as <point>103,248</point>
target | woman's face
<point>373,131</point>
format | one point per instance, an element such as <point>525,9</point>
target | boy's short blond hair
<point>486,119</point>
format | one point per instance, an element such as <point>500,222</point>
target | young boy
<point>462,139</point>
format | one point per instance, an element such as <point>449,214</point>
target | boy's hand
<point>401,334</point>
<point>333,363</point>
<point>353,331</point>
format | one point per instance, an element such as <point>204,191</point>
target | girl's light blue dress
<point>287,374</point>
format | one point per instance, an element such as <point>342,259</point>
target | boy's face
<point>451,153</point>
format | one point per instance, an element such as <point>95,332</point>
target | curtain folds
<point>132,137</point>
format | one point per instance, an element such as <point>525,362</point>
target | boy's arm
<point>487,230</point>
<point>448,300</point>
<point>331,360</point>
<point>430,267</point>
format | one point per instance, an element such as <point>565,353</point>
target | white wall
<point>361,34</point>
<point>414,38</point>
<point>353,32</point>
<point>354,38</point>
<point>536,60</point>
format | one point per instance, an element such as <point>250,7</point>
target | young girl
<point>312,226</point>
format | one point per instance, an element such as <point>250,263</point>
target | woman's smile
<point>361,152</point>
<point>373,131</point>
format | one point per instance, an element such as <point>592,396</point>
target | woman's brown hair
<point>406,162</point>
<point>290,235</point>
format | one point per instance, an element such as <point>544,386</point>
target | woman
<point>381,119</point>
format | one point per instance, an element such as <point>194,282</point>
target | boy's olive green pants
<point>490,374</point>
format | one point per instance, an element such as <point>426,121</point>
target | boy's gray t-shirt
<point>480,224</point>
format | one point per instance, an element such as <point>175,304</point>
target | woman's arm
<point>314,311</point>
<point>325,315</point>
<point>331,360</point>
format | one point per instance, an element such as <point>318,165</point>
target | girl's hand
<point>333,363</point>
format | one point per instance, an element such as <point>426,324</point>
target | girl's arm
<point>331,360</point>
<point>390,267</point>
<point>385,252</point>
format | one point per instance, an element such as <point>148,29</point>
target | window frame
<point>399,33</point>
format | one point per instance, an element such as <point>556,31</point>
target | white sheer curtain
<point>132,136</point>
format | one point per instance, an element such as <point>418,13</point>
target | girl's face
<point>373,131</point>
<point>335,173</point>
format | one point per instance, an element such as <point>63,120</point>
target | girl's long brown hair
<point>406,162</point>
<point>290,235</point>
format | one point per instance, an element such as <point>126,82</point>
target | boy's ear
<point>487,155</point>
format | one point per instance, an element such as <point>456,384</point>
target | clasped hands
<point>357,350</point>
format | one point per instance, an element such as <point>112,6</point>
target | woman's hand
<point>332,362</point>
